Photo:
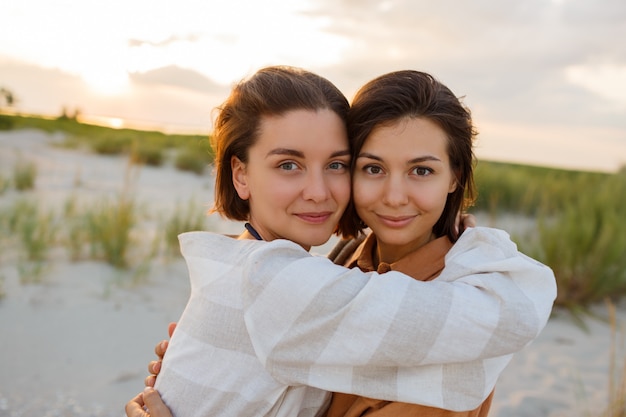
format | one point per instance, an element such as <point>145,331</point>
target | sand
<point>78,342</point>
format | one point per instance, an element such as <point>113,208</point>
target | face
<point>401,182</point>
<point>297,178</point>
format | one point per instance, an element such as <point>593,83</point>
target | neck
<point>390,252</point>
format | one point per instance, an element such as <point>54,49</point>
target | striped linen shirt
<point>269,328</point>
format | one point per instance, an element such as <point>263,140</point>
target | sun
<point>107,81</point>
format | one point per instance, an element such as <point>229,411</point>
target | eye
<point>372,169</point>
<point>422,171</point>
<point>338,166</point>
<point>288,166</point>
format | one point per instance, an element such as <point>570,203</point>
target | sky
<point>545,79</point>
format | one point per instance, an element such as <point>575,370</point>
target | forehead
<point>297,129</point>
<point>409,134</point>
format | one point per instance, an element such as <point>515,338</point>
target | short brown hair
<point>271,91</point>
<point>396,95</point>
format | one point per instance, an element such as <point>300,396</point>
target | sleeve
<point>391,337</point>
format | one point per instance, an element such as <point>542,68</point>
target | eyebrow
<point>293,152</point>
<point>412,161</point>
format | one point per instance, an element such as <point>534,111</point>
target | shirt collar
<point>423,264</point>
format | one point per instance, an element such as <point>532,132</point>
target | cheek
<point>273,190</point>
<point>432,198</point>
<point>364,192</point>
<point>341,190</point>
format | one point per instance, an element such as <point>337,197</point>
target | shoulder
<point>209,244</point>
<point>495,241</point>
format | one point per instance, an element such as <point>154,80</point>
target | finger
<point>150,381</point>
<point>155,404</point>
<point>134,408</point>
<point>154,367</point>
<point>469,220</point>
<point>170,329</point>
<point>160,348</point>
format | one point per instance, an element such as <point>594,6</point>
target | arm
<point>489,302</point>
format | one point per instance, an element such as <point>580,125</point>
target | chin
<point>317,242</point>
<point>313,241</point>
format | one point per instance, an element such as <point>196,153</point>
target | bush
<point>147,153</point>
<point>110,145</point>
<point>191,159</point>
<point>24,174</point>
<point>5,183</point>
<point>34,232</point>
<point>6,122</point>
<point>108,227</point>
<point>182,220</point>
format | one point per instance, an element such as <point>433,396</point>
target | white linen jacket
<point>269,329</point>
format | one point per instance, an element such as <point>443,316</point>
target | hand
<point>147,404</point>
<point>154,367</point>
<point>467,220</point>
<point>464,221</point>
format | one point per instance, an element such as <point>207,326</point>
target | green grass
<point>24,175</point>
<point>6,122</point>
<point>5,183</point>
<point>109,224</point>
<point>184,219</point>
<point>143,145</point>
<point>34,231</point>
<point>581,230</point>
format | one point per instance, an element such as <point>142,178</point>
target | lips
<point>395,221</point>
<point>315,218</point>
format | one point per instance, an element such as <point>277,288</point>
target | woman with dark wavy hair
<point>412,173</point>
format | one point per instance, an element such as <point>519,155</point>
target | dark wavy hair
<point>413,94</point>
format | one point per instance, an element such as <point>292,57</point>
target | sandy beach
<point>78,342</point>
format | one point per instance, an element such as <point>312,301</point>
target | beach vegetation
<point>75,238</point>
<point>185,218</point>
<point>24,174</point>
<point>6,122</point>
<point>146,145</point>
<point>148,153</point>
<point>108,227</point>
<point>580,231</point>
<point>34,231</point>
<point>111,145</point>
<point>5,183</point>
<point>194,157</point>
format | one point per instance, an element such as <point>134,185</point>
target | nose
<point>395,194</point>
<point>315,187</point>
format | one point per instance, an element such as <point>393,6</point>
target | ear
<point>240,178</point>
<point>453,182</point>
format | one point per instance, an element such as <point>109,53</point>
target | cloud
<point>175,76</point>
<point>133,43</point>
<point>41,90</point>
<point>509,58</point>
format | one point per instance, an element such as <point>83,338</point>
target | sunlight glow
<point>237,44</point>
<point>116,122</point>
<point>107,81</point>
<point>103,42</point>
